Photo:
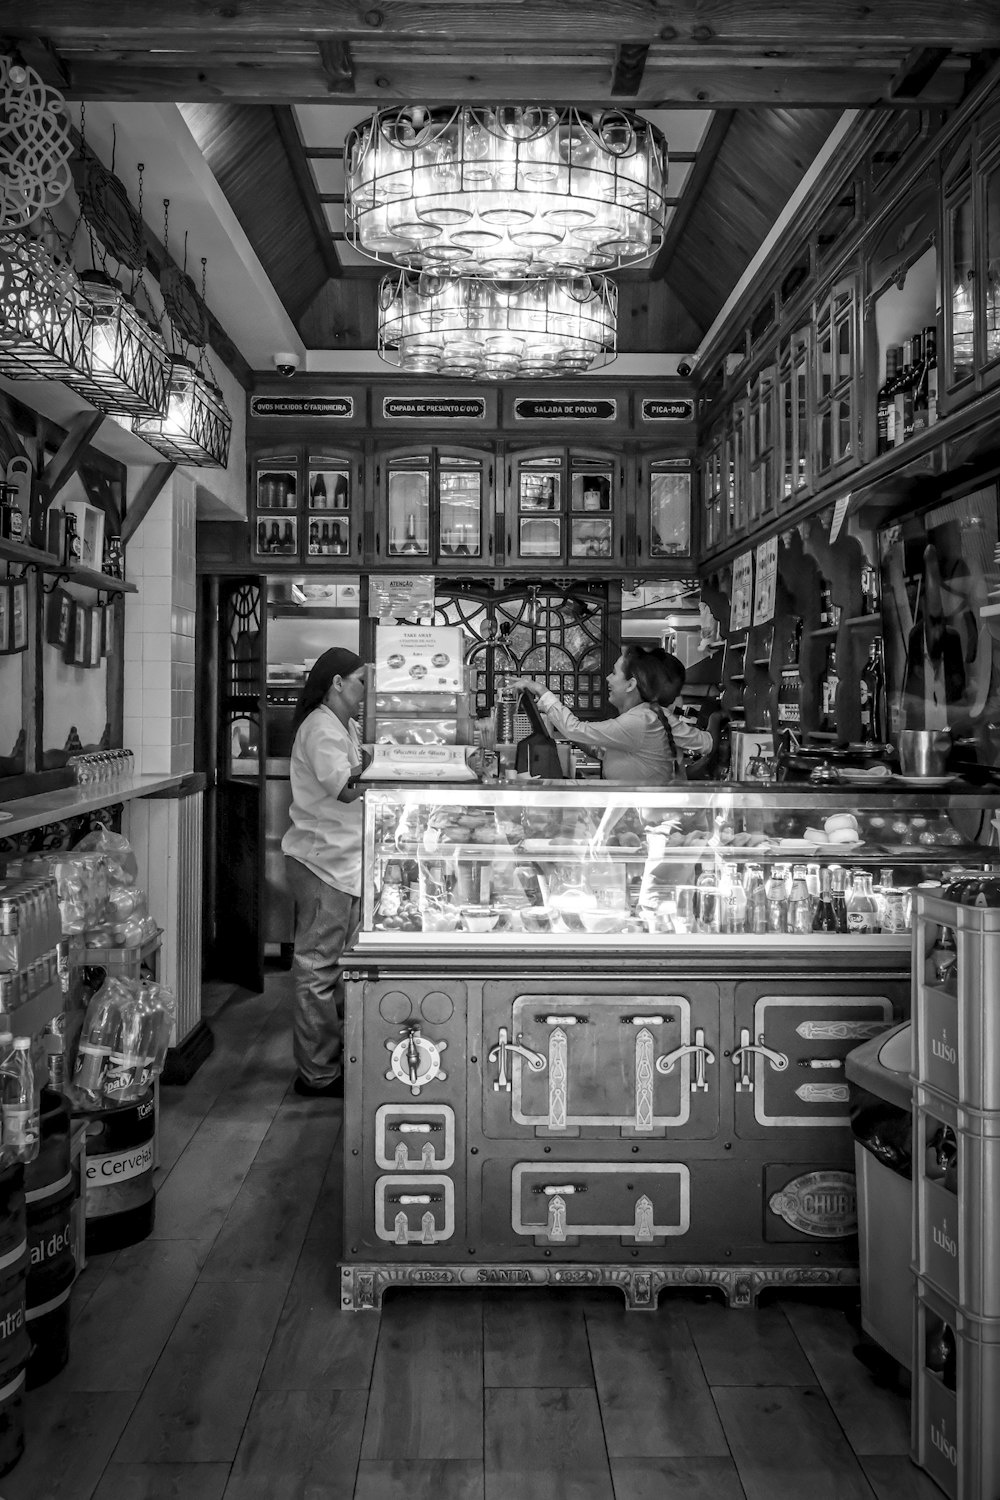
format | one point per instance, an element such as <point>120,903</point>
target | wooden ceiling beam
<point>896,23</point>
<point>335,60</point>
<point>721,87</point>
<point>917,70</point>
<point>299,168</point>
<point>699,175</point>
<point>630,63</point>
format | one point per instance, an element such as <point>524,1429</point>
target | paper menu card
<point>418,659</point>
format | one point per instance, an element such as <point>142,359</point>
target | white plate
<point>926,780</point>
<point>803,846</point>
<point>861,777</point>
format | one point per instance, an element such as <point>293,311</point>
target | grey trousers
<point>325,923</point>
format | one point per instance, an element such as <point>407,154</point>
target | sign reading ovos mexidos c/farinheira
<point>341,407</point>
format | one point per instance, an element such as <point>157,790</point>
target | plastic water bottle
<point>19,1103</point>
<point>99,1036</point>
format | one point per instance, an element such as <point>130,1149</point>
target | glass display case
<point>535,864</point>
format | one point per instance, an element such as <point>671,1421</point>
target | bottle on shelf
<point>274,538</point>
<point>942,961</point>
<point>262,536</point>
<point>885,410</point>
<point>916,370</point>
<point>410,544</point>
<point>838,896</point>
<point>825,914</point>
<point>337,544</point>
<point>317,495</point>
<point>799,912</point>
<point>19,1103</point>
<point>872,683</point>
<point>313,538</point>
<point>732,901</point>
<point>870,600</point>
<point>756,899</point>
<point>828,685</point>
<point>931,366</point>
<point>829,613</point>
<point>776,892</point>
<point>920,386</point>
<point>862,907</point>
<point>903,396</point>
<point>288,538</point>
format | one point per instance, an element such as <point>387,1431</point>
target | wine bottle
<point>274,538</point>
<point>410,543</point>
<point>920,394</point>
<point>337,543</point>
<point>931,364</point>
<point>288,540</point>
<point>915,369</point>
<point>828,685</point>
<point>313,538</point>
<point>903,395</point>
<point>885,412</point>
<point>873,696</point>
<point>317,495</point>
<point>825,915</point>
<point>261,536</point>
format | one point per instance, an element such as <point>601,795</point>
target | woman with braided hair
<point>645,744</point>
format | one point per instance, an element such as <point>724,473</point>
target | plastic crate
<point>955,1433</point>
<point>956,1214</point>
<point>956,1031</point>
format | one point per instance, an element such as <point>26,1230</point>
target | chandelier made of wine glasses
<point>505,190</point>
<point>478,328</point>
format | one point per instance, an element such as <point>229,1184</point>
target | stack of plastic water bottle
<point>123,1042</point>
<point>19,1116</point>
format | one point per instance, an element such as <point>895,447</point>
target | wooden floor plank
<point>420,1479</point>
<point>299,1443</point>
<point>68,1443</point>
<point>163,1482</point>
<point>787,1444</point>
<point>655,1401</point>
<point>875,1420</point>
<point>535,1339</point>
<point>264,1229</point>
<point>675,1479</point>
<point>896,1478</point>
<point>198,1194</point>
<point>746,1347</point>
<point>427,1383</point>
<point>318,1346</point>
<point>119,1337</point>
<point>545,1445</point>
<point>196,1401</point>
<point>326,1223</point>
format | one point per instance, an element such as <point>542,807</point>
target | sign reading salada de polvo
<point>302,406</point>
<point>434,408</point>
<point>527,409</point>
<point>667,411</point>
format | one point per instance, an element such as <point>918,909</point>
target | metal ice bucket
<point>923,752</point>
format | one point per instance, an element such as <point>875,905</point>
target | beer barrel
<point>15,1345</point>
<point>120,1197</point>
<point>50,1191</point>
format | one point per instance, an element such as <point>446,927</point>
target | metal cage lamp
<point>126,361</point>
<point>506,190</point>
<point>477,328</point>
<point>195,428</point>
<point>43,314</point>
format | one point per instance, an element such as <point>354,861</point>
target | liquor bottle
<point>931,365</point>
<point>826,604</point>
<point>870,603</point>
<point>313,538</point>
<point>337,543</point>
<point>885,411</point>
<point>916,369</point>
<point>902,397</point>
<point>20,1103</point>
<point>838,897</point>
<point>261,536</point>
<point>793,643</point>
<point>920,379</point>
<point>828,685</point>
<point>756,898</point>
<point>340,492</point>
<point>799,914</point>
<point>317,495</point>
<point>274,538</point>
<point>410,543</point>
<point>862,908</point>
<point>873,696</point>
<point>324,537</point>
<point>942,961</point>
<point>288,539</point>
<point>825,914</point>
<point>115,562</point>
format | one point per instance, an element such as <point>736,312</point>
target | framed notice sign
<point>766,581</point>
<point>742,601</point>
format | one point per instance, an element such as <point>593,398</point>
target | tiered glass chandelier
<point>481,328</point>
<point>505,190</point>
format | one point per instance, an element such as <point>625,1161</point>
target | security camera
<point>684,368</point>
<point>286,364</point>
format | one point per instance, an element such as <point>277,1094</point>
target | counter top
<point>71,801</point>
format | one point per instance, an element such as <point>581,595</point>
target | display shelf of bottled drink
<point>29,1019</point>
<point>90,578</point>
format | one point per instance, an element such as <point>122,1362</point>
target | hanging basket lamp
<point>126,361</point>
<point>43,314</point>
<point>196,426</point>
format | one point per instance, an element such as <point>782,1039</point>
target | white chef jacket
<point>325,834</point>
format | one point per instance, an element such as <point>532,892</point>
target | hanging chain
<point>166,226</point>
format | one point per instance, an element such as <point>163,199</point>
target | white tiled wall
<point>159,632</point>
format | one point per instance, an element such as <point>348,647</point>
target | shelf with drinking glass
<point>47,562</point>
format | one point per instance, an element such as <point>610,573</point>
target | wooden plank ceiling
<point>763,83</point>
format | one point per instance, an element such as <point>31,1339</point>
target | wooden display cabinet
<point>971,270</point>
<point>565,508</point>
<point>660,521</point>
<point>836,380</point>
<point>307,504</point>
<point>434,509</point>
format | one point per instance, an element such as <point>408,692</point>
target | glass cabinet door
<point>664,509</point>
<point>408,507</point>
<point>538,494</point>
<point>275,489</point>
<point>563,506</point>
<point>834,378</point>
<point>959,293</point>
<point>793,417</point>
<point>432,508</point>
<point>591,506</point>
<point>991,246</point>
<point>762,441</point>
<point>333,503</point>
<point>711,494</point>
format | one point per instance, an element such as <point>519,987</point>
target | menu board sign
<point>418,659</point>
<point>766,581</point>
<point>528,409</point>
<point>667,411</point>
<point>341,407</point>
<point>434,408</point>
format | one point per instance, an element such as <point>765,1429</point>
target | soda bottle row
<point>30,924</point>
<point>18,988</point>
<point>794,899</point>
<point>123,1042</point>
<point>19,1115</point>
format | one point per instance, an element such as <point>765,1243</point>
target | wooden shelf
<point>762,661</point>
<point>863,622</point>
<point>737,677</point>
<point>47,562</point>
<point>22,553</point>
<point>823,630</point>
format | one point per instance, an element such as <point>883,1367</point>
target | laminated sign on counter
<point>418,763</point>
<point>418,659</point>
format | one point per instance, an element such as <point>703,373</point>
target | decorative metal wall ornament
<point>35,145</point>
<point>126,361</point>
<point>505,190</point>
<point>43,314</point>
<point>104,203</point>
<point>196,427</point>
<point>185,309</point>
<point>478,328</point>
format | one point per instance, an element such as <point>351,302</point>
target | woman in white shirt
<point>323,860</point>
<point>644,745</point>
